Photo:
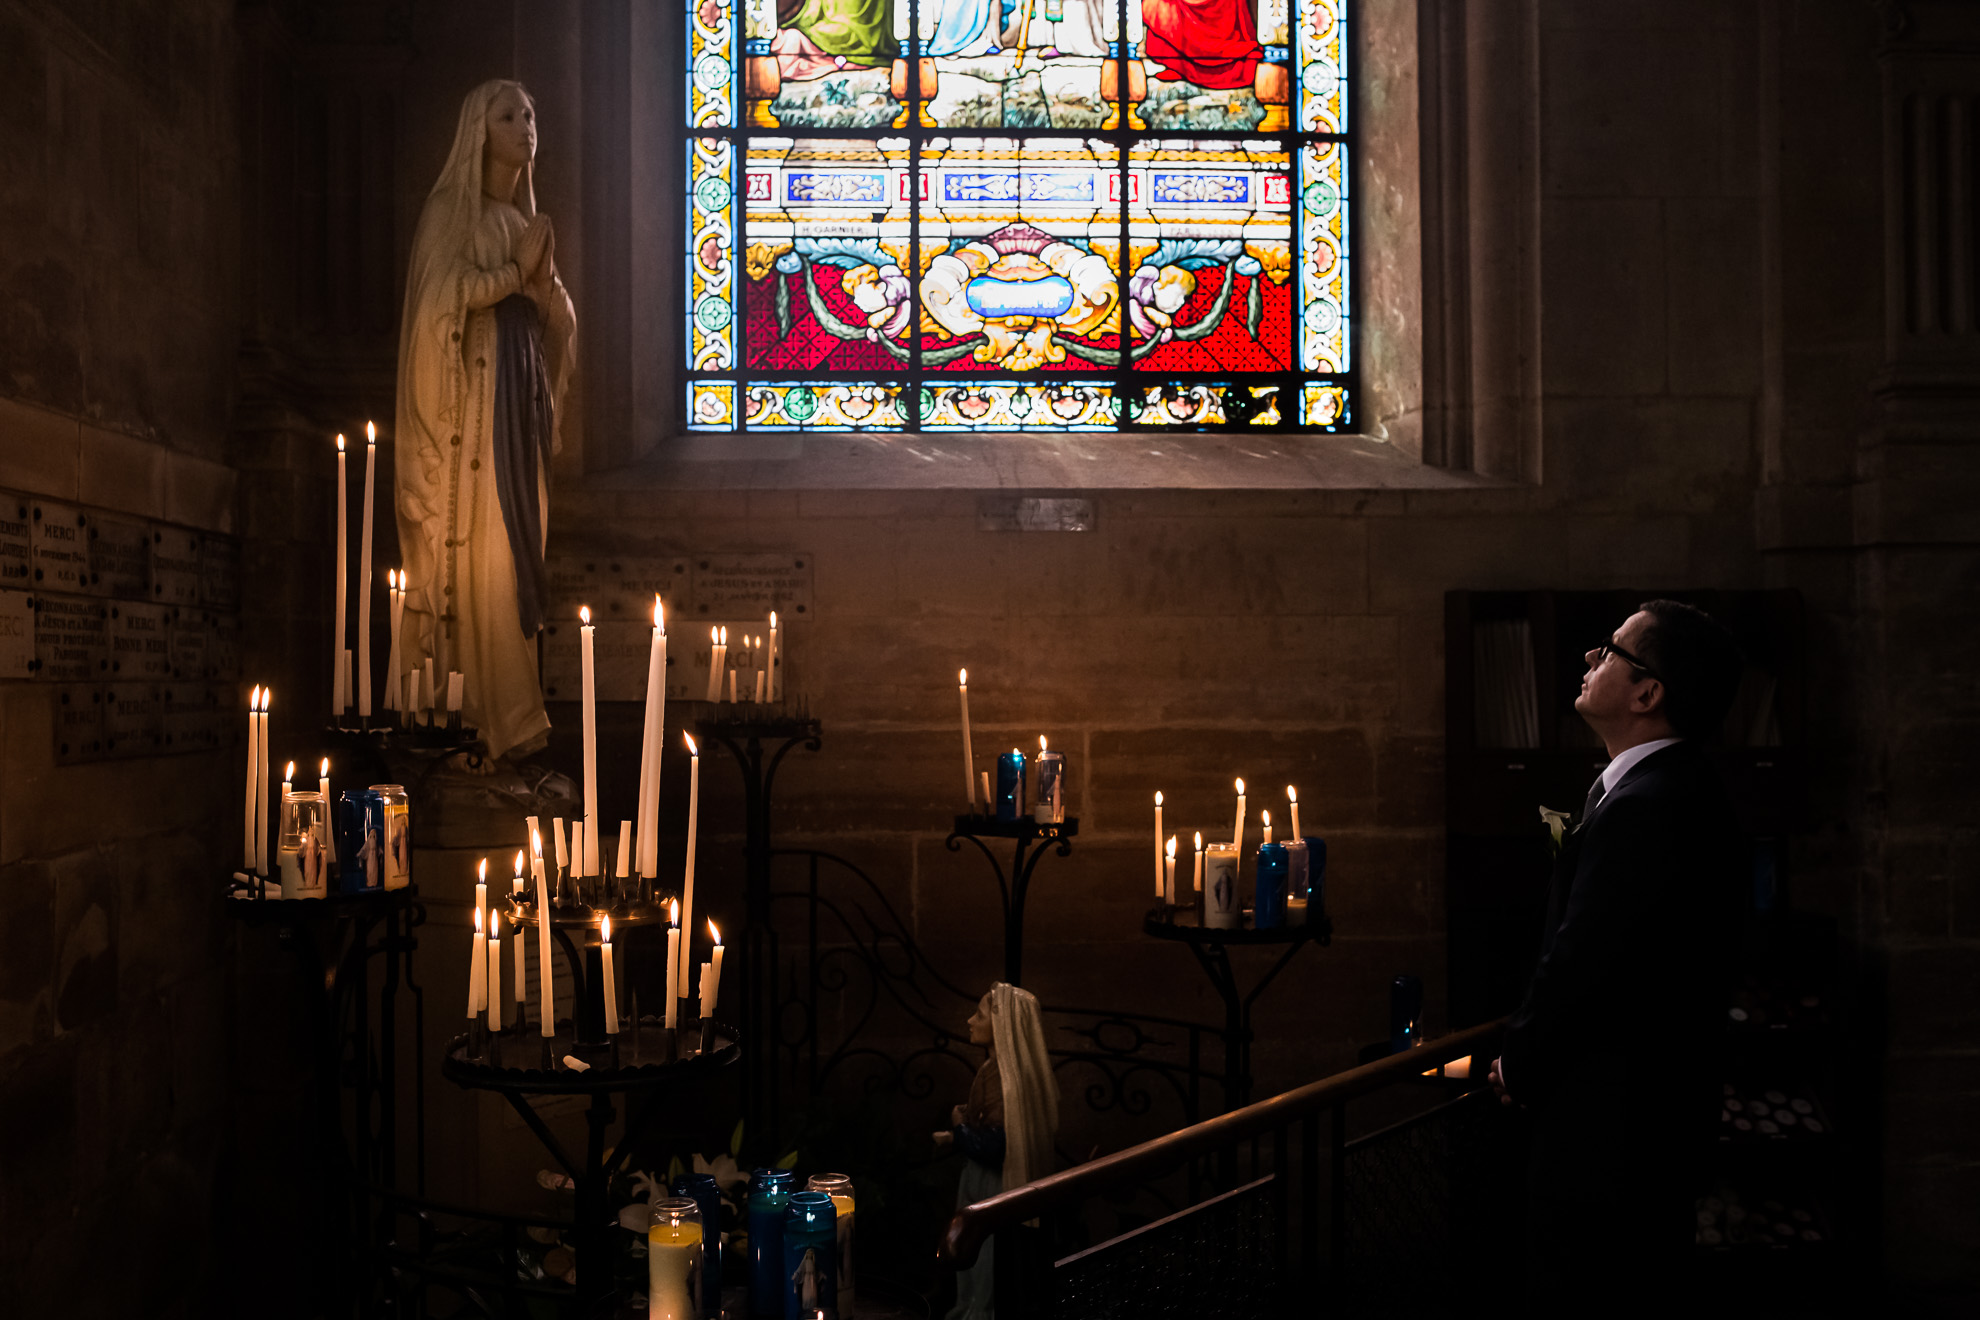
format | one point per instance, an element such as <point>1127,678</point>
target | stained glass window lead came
<point>1018,215</point>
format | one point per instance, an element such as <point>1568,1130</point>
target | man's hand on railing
<point>1499,1084</point>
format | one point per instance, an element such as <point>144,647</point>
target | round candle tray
<point>640,1061</point>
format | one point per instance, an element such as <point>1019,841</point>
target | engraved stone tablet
<point>71,639</point>
<point>16,635</point>
<point>190,643</point>
<point>78,724</point>
<point>61,547</point>
<point>16,555</point>
<point>140,641</point>
<point>191,717</point>
<point>617,589</point>
<point>220,572</point>
<point>133,723</point>
<point>223,647</point>
<point>750,586</point>
<point>174,566</point>
<point>120,558</point>
<point>619,649</point>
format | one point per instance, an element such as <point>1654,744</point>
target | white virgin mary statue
<point>484,352</point>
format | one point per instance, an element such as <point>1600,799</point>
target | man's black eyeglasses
<point>1609,648</point>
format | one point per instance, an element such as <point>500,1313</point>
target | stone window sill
<point>1034,461</point>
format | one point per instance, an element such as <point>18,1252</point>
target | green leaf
<point>735,1141</point>
<point>675,1169</point>
<point>789,1161</point>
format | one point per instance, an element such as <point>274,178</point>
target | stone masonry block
<point>201,493</point>
<point>40,451</point>
<point>1684,455</point>
<point>1412,564</point>
<point>1609,552</point>
<point>1245,566</point>
<point>1603,287</point>
<point>1409,781</point>
<point>1637,114</point>
<point>122,472</point>
<point>1714,312</point>
<point>1934,996</point>
<point>1333,769</point>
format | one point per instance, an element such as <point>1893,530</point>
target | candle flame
<point>674,910</point>
<point>1199,841</point>
<point>1292,794</point>
<point>370,434</point>
<point>692,749</point>
<point>267,699</point>
<point>725,634</point>
<point>535,844</point>
<point>340,444</point>
<point>289,773</point>
<point>1240,788</point>
<point>323,771</point>
<point>962,678</point>
<point>1041,743</point>
<point>659,613</point>
<point>713,932</point>
<point>519,863</point>
<point>1158,797</point>
<point>477,921</point>
<point>584,614</point>
<point>1265,819</point>
<point>606,932</point>
<point>714,635</point>
<point>481,876</point>
<point>1172,847</point>
<point>773,621</point>
<point>254,697</point>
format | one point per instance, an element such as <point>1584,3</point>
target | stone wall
<point>118,276</point>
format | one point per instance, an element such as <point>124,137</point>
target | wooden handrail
<point>974,1223</point>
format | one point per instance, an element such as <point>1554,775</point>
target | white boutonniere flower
<point>1556,822</point>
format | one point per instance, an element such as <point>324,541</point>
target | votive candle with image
<point>674,1260</point>
<point>1010,785</point>
<point>1050,807</point>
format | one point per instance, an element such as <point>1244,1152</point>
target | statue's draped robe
<point>461,603</point>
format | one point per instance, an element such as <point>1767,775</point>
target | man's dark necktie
<point>1595,794</point>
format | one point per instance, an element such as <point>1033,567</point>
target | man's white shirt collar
<point>1613,772</point>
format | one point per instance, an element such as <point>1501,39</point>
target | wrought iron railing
<point>1414,1199</point>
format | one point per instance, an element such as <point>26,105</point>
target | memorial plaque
<point>78,724</point>
<point>16,540</point>
<point>193,718</point>
<point>175,566</point>
<point>617,589</point>
<point>750,586</point>
<point>133,720</point>
<point>16,635</point>
<point>220,572</point>
<point>223,647</point>
<point>140,641</point>
<point>119,558</point>
<point>71,639</point>
<point>61,547</point>
<point>191,642</point>
<point>620,651</point>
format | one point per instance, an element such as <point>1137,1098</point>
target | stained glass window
<point>1018,214</point>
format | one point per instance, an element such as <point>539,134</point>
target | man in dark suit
<point>1613,1049</point>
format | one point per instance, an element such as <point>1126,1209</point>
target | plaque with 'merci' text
<point>78,724</point>
<point>61,547</point>
<point>140,641</point>
<point>133,719</point>
<point>120,558</point>
<point>174,566</point>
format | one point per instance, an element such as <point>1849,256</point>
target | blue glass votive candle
<point>1010,785</point>
<point>811,1256</point>
<point>1268,910</point>
<point>1316,875</point>
<point>353,834</point>
<point>1405,1010</point>
<point>769,1193</point>
<point>702,1189</point>
<point>1298,877</point>
<point>1050,806</point>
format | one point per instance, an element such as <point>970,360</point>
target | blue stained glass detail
<point>1197,187</point>
<point>835,187</point>
<point>1004,186</point>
